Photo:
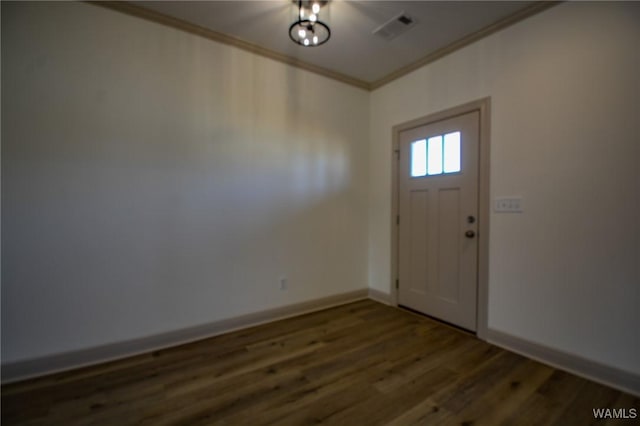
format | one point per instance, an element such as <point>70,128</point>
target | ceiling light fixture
<point>308,30</point>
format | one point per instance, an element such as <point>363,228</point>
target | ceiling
<point>353,51</point>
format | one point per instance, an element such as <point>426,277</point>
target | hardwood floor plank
<point>361,363</point>
<point>589,396</point>
<point>333,371</point>
<point>438,354</point>
<point>626,402</point>
<point>373,407</point>
<point>506,396</point>
<point>481,378</point>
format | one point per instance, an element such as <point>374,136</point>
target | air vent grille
<point>394,26</point>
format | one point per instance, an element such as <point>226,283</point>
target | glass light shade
<point>308,30</point>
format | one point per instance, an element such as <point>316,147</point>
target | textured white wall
<point>565,135</point>
<point>155,180</point>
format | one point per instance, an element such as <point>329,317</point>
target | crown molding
<point>514,18</point>
<point>160,18</point>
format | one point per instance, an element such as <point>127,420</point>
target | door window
<point>436,155</point>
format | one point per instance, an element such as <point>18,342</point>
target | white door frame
<point>483,106</point>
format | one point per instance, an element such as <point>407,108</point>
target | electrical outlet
<point>284,283</point>
<point>508,205</point>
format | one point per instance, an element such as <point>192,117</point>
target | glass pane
<point>434,156</point>
<point>452,152</point>
<point>419,158</point>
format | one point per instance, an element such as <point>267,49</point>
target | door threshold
<point>445,323</point>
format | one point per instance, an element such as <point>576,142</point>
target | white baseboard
<point>381,297</point>
<point>592,370</point>
<point>21,370</point>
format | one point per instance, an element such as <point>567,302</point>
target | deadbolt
<point>471,219</point>
<point>469,234</point>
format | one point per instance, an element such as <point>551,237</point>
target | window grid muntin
<point>436,155</point>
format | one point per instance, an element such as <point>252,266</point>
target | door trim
<point>483,106</point>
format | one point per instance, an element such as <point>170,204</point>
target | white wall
<point>565,135</point>
<point>155,180</point>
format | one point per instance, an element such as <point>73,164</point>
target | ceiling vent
<point>394,26</point>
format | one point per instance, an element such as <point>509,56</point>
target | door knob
<point>469,234</point>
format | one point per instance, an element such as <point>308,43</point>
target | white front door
<point>438,213</point>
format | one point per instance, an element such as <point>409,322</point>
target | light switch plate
<point>507,205</point>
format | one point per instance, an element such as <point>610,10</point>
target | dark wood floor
<point>358,364</point>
